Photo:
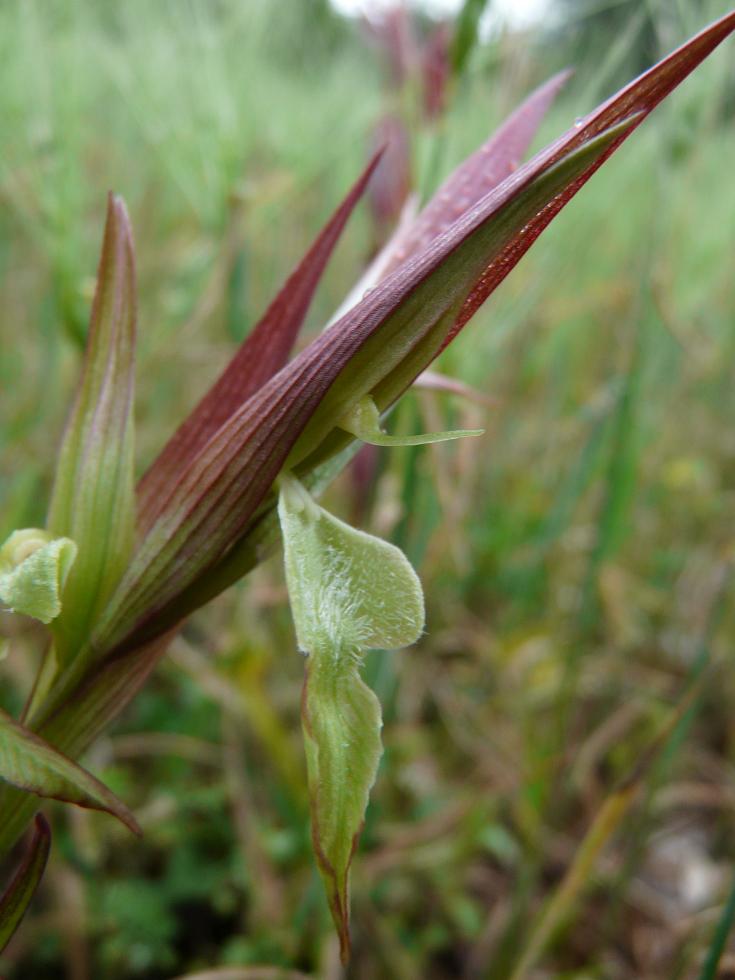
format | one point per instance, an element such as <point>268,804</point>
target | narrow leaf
<point>363,422</point>
<point>607,820</point>
<point>467,31</point>
<point>262,354</point>
<point>93,499</point>
<point>34,567</point>
<point>710,968</point>
<point>348,591</point>
<point>17,897</point>
<point>31,764</point>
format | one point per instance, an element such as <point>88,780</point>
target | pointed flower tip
<point>557,81</point>
<point>42,825</point>
<point>119,231</point>
<point>116,204</point>
<point>117,213</point>
<point>93,500</point>
<point>375,160</point>
<point>117,259</point>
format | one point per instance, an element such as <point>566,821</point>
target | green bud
<point>34,566</point>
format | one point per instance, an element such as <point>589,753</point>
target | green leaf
<point>93,500</point>
<point>31,764</point>
<point>363,421</point>
<point>20,891</point>
<point>34,566</point>
<point>466,33</point>
<point>349,592</point>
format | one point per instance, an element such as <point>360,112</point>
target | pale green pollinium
<point>34,566</point>
<point>363,421</point>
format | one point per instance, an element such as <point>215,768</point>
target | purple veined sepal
<point>378,348</point>
<point>213,519</point>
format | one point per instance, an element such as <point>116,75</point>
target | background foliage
<point>576,565</point>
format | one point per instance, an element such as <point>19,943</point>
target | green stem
<point>90,708</point>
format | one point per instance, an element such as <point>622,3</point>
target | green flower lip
<point>349,591</point>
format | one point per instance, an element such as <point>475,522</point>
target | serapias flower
<point>265,439</point>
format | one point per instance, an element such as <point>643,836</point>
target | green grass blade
<point>719,939</point>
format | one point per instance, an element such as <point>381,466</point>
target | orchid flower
<point>119,568</point>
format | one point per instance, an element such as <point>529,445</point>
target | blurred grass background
<point>576,562</point>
